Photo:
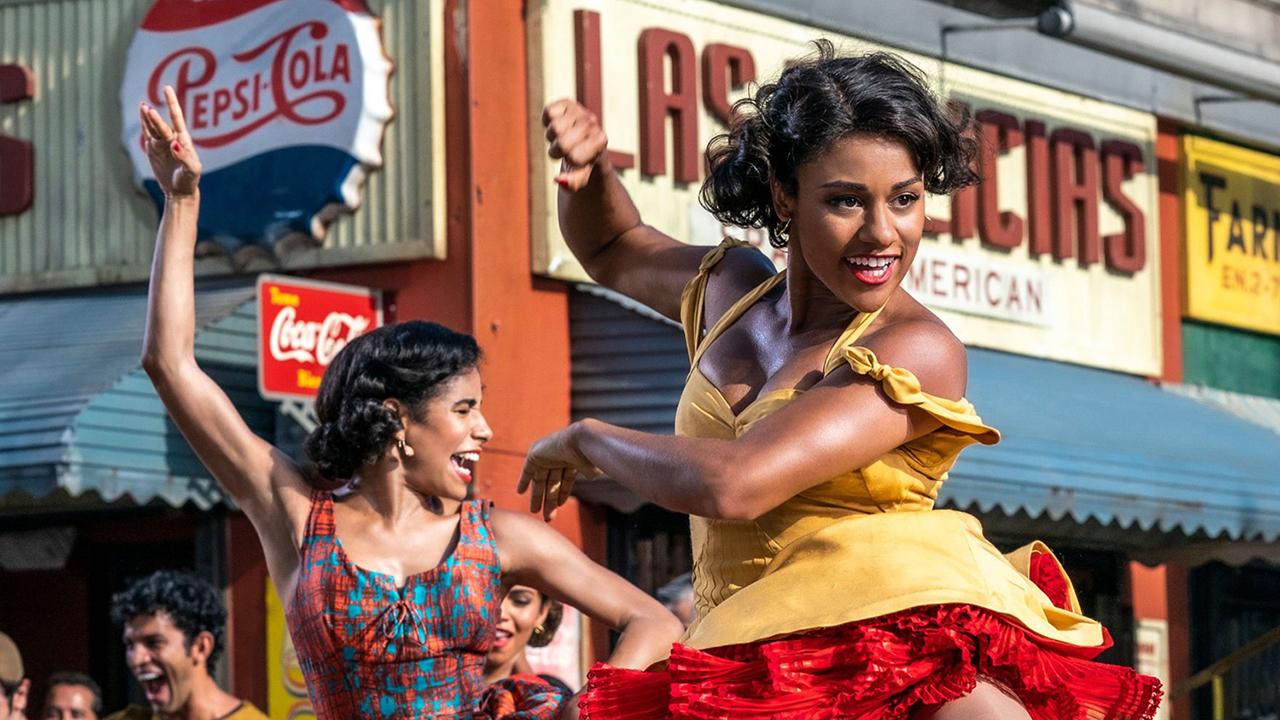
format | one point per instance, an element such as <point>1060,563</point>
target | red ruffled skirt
<point>883,669</point>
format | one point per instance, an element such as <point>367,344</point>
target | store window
<point>1230,607</point>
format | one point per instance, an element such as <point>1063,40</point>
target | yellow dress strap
<point>692,305</point>
<point>904,388</point>
<point>835,356</point>
<point>734,312</point>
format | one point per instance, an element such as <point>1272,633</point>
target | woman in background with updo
<point>823,410</point>
<point>528,618</point>
<point>391,592</point>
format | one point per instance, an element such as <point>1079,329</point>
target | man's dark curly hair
<point>191,603</point>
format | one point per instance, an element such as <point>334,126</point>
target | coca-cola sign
<point>302,324</point>
<point>286,101</point>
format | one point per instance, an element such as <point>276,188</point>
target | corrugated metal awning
<point>1096,445</point>
<point>77,413</point>
<point>1257,410</point>
<point>1099,448</point>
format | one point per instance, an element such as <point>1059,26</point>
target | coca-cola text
<point>312,342</point>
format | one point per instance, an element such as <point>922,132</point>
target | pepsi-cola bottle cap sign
<point>286,102</point>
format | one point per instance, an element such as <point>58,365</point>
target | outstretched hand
<point>169,148</point>
<point>550,470</point>
<point>576,139</point>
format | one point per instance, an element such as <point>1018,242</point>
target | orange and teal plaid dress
<point>369,649</point>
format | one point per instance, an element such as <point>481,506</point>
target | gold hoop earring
<point>784,231</point>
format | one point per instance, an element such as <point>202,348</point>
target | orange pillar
<point>1170,210</point>
<point>485,286</point>
<point>522,322</point>
<point>1160,622</point>
<point>246,611</point>
<point>1171,584</point>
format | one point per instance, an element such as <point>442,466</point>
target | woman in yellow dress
<point>822,412</point>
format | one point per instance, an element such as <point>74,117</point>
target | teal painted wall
<point>1229,359</point>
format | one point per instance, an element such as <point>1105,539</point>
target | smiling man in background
<point>173,626</point>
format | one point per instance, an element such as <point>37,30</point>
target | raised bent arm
<point>536,555</point>
<point>600,223</point>
<point>262,480</point>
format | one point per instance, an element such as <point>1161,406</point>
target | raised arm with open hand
<point>170,150</point>
<point>262,480</point>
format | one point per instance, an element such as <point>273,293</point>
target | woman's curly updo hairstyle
<point>408,361</point>
<point>546,632</point>
<point>816,102</point>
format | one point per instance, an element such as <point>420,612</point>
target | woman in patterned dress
<point>823,409</point>
<point>391,615</point>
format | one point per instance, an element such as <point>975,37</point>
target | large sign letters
<point>17,156</point>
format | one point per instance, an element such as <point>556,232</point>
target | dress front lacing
<point>371,649</point>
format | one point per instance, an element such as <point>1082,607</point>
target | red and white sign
<point>1151,653</point>
<point>286,102</point>
<point>302,324</point>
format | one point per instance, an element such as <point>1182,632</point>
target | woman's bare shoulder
<point>913,338</point>
<point>740,271</point>
<point>514,529</point>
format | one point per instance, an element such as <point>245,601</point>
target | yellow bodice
<point>815,560</point>
<point>732,554</point>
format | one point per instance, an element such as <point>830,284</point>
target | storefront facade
<point>1231,346</point>
<point>1064,273</point>
<point>400,216</point>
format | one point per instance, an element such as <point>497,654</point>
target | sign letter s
<point>17,157</point>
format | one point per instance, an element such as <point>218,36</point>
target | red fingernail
<point>562,182</point>
<point>177,147</point>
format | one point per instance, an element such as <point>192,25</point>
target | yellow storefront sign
<point>1231,205</point>
<point>286,689</point>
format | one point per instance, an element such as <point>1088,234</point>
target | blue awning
<point>1114,457</point>
<point>1095,445</point>
<point>78,416</point>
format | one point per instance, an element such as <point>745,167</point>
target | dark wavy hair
<point>77,679</point>
<point>408,362</point>
<point>192,604</point>
<point>816,102</point>
<point>555,615</point>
